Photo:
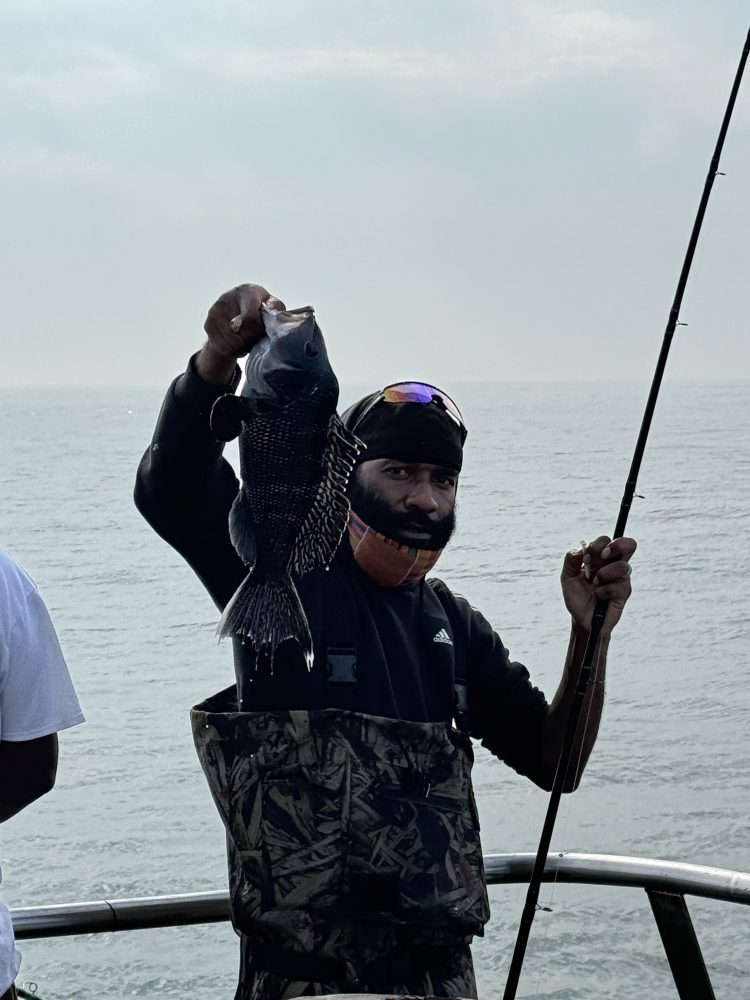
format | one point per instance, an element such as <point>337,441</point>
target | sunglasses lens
<point>421,392</point>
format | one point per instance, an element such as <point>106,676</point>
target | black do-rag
<point>409,432</point>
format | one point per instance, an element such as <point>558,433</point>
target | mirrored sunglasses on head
<point>415,392</point>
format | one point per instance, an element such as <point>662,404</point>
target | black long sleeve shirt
<point>185,489</point>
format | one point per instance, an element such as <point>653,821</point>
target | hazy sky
<point>485,189</point>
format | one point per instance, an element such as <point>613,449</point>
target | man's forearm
<point>27,771</point>
<point>562,703</point>
<point>183,455</point>
<point>185,489</point>
<point>214,368</point>
<point>13,800</point>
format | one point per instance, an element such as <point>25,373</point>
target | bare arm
<point>27,771</point>
<point>602,571</point>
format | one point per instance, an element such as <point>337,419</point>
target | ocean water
<point>546,466</point>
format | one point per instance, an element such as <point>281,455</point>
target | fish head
<point>291,361</point>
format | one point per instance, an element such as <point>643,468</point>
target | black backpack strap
<point>340,617</point>
<point>445,632</point>
<point>460,631</point>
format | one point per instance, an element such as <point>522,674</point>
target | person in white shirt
<point>37,700</point>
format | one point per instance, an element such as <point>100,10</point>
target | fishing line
<point>549,909</point>
<point>600,609</point>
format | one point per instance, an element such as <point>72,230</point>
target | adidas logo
<point>442,636</point>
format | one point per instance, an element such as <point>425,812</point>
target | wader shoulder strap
<point>444,634</point>
<point>460,635</point>
<point>341,622</point>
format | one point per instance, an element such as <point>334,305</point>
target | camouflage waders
<point>421,974</point>
<point>354,852</point>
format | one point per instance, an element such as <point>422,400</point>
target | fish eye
<point>310,349</point>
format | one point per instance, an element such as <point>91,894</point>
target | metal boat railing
<point>666,884</point>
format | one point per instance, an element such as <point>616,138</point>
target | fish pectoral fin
<point>226,417</point>
<point>242,529</point>
<point>326,520</point>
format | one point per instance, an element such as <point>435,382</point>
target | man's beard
<point>377,514</point>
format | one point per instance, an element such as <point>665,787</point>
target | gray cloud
<point>463,191</point>
<point>74,79</point>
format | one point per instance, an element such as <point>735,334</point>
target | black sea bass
<point>295,461</point>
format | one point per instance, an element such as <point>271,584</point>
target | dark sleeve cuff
<point>192,392</point>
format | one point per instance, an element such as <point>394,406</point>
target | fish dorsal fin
<point>326,520</point>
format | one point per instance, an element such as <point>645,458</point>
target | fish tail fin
<point>267,611</point>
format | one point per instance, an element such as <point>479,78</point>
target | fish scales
<point>285,465</point>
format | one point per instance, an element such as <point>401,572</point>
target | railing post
<point>681,945</point>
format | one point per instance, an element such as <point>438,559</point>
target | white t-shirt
<point>10,959</point>
<point>36,693</point>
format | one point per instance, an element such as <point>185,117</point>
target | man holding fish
<point>341,760</point>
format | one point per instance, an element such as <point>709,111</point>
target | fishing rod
<point>600,608</point>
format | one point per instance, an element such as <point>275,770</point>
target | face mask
<point>386,562</point>
<point>377,514</point>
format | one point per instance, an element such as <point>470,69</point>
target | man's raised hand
<point>234,325</point>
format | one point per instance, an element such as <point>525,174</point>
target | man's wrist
<point>215,368</point>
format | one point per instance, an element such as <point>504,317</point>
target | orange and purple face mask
<point>387,562</point>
